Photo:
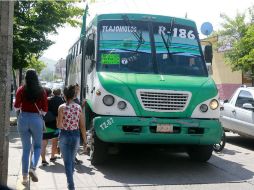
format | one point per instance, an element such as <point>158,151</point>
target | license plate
<point>164,128</point>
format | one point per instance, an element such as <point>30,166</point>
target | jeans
<point>69,143</point>
<point>30,126</point>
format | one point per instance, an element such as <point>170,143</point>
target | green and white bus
<point>144,80</point>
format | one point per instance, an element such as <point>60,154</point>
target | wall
<point>227,81</point>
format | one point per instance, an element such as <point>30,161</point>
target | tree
<point>239,35</point>
<point>36,64</point>
<point>33,22</point>
<point>6,17</point>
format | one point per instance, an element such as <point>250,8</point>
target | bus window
<point>90,45</point>
<point>90,52</point>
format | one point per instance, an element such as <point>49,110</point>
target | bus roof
<point>144,17</point>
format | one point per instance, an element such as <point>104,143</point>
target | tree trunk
<point>6,19</point>
<point>252,75</point>
<point>20,76</point>
<point>14,80</point>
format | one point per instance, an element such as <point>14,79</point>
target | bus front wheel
<point>220,146</point>
<point>200,153</point>
<point>98,150</point>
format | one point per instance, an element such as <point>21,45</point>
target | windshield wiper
<point>138,36</point>
<point>172,23</point>
<point>169,40</point>
<point>165,43</point>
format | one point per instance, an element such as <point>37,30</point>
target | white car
<point>58,85</point>
<point>237,114</point>
<point>43,83</point>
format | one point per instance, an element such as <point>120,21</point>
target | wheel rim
<point>219,146</point>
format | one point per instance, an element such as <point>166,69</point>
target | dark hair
<point>69,92</point>
<point>48,91</point>
<point>33,89</point>
<point>57,92</point>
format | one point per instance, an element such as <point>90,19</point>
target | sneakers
<point>78,162</point>
<point>44,163</point>
<point>25,180</point>
<point>33,175</point>
<point>53,159</point>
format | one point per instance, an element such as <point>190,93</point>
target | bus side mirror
<point>208,53</point>
<point>89,47</point>
<point>209,68</point>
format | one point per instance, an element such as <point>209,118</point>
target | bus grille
<point>164,100</point>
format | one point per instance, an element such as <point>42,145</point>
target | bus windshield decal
<point>110,59</point>
<point>177,32</point>
<point>119,28</point>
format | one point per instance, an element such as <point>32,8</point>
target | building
<point>227,81</point>
<point>60,69</point>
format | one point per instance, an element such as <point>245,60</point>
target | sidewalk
<point>50,177</point>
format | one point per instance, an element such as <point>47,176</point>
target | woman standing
<point>70,120</point>
<point>30,99</point>
<point>52,131</point>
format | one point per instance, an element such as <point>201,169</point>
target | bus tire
<point>98,151</point>
<point>200,153</point>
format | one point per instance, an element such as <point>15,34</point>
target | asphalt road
<point>166,168</point>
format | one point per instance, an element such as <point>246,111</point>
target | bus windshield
<point>126,46</point>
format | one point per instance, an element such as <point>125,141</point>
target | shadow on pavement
<point>53,168</point>
<point>84,169</point>
<point>244,142</point>
<point>150,166</point>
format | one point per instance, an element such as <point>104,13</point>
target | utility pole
<point>6,29</point>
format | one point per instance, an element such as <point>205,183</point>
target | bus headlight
<point>108,100</point>
<point>203,108</point>
<point>214,104</point>
<point>121,105</point>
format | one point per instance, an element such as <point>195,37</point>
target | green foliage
<point>33,22</point>
<point>36,64</point>
<point>239,35</point>
<point>246,50</point>
<point>234,28</point>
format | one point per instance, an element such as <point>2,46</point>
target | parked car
<point>49,85</point>
<point>237,113</point>
<point>58,85</point>
<point>43,83</point>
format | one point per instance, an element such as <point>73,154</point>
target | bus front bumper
<point>145,130</point>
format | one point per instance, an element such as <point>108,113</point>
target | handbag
<point>44,125</point>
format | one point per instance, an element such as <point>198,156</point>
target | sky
<point>199,11</point>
